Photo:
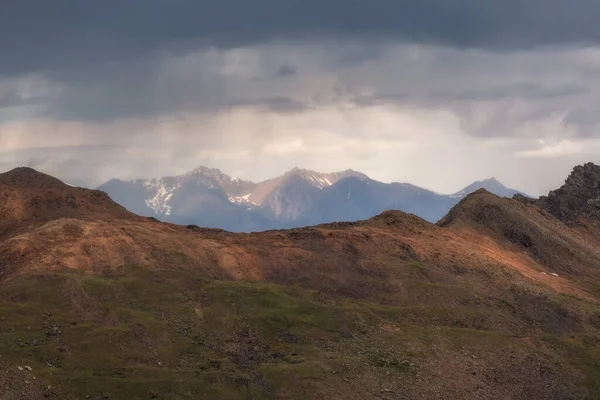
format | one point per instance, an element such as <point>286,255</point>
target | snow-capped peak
<point>322,180</point>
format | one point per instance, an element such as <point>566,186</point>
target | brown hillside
<point>482,241</point>
<point>493,268</point>
<point>524,227</point>
<point>29,197</point>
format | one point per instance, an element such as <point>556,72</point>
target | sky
<point>431,92</point>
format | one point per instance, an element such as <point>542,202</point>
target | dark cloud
<point>13,99</point>
<point>283,71</point>
<point>10,100</point>
<point>585,118</point>
<point>361,55</point>
<point>278,104</point>
<point>521,90</point>
<point>436,98</point>
<point>106,100</point>
<point>500,111</point>
<point>64,34</point>
<point>155,58</point>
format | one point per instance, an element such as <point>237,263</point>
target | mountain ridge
<point>492,185</point>
<point>499,300</point>
<point>299,197</point>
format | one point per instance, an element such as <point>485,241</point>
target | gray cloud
<point>66,34</point>
<point>134,87</point>
<point>283,71</point>
<point>524,90</point>
<point>370,52</point>
<point>12,100</point>
<point>482,88</point>
<point>585,117</point>
<point>437,97</point>
<point>133,58</point>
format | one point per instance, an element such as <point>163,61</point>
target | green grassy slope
<point>143,334</point>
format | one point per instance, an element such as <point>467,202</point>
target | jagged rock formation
<point>578,197</point>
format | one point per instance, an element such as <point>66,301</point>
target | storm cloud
<point>94,90</point>
<point>65,34</point>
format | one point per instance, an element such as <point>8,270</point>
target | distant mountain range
<point>209,198</point>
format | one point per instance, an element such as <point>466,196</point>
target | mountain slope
<point>289,198</point>
<point>29,197</point>
<point>299,197</point>
<point>204,196</point>
<point>362,198</point>
<point>210,198</point>
<point>524,227</point>
<point>318,180</point>
<point>98,304</point>
<point>492,185</point>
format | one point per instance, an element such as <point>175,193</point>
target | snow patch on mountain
<point>161,193</point>
<point>245,199</point>
<point>315,179</point>
<point>320,180</point>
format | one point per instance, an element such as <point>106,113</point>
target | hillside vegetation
<point>500,300</point>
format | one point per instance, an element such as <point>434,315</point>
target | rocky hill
<point>578,198</point>
<point>499,300</point>
<point>29,197</point>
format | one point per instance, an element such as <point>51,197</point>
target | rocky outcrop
<point>578,197</point>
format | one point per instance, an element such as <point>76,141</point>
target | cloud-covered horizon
<point>434,93</point>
